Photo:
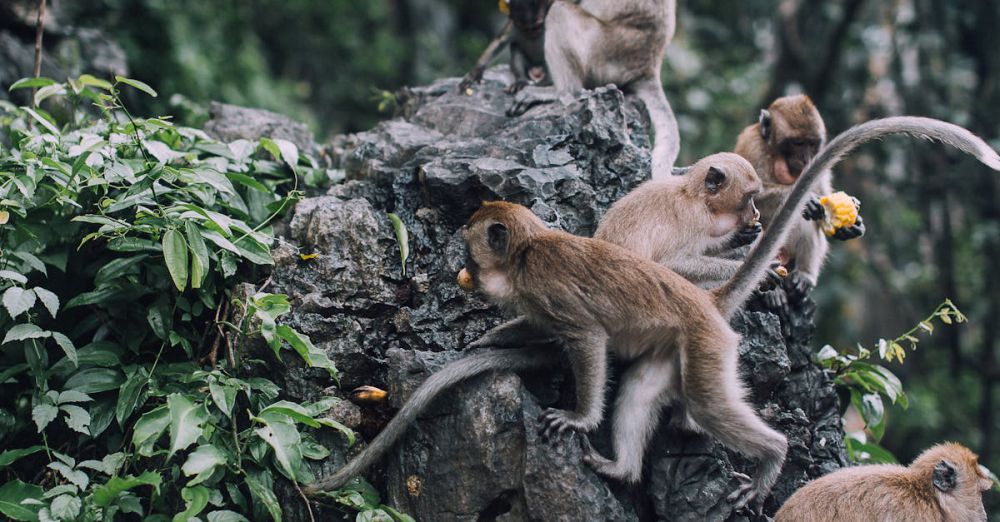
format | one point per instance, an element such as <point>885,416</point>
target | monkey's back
<point>883,493</point>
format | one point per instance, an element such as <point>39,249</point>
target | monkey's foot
<point>531,96</point>
<point>473,77</point>
<point>605,466</point>
<point>744,493</point>
<point>516,87</point>
<point>556,422</point>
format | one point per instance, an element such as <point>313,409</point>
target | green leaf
<point>313,356</point>
<point>13,493</point>
<point>293,411</point>
<point>24,331</point>
<point>12,371</point>
<point>186,420</point>
<point>49,299</point>
<point>195,500</point>
<point>201,462</point>
<point>131,395</point>
<point>223,396</point>
<point>31,83</point>
<point>77,418</point>
<point>289,152</point>
<point>175,253</point>
<point>95,380</point>
<point>67,347</point>
<point>281,434</point>
<point>17,300</point>
<point>44,122</point>
<point>43,414</point>
<point>137,84</point>
<point>865,453</point>
<point>76,477</point>
<point>107,494</point>
<point>254,251</point>
<point>11,456</point>
<point>71,396</point>
<point>65,507</point>
<point>225,516</point>
<point>402,238</point>
<point>262,490</point>
<point>90,80</point>
<point>13,276</point>
<point>200,260</point>
<point>47,91</point>
<point>148,429</point>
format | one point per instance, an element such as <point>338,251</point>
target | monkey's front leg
<point>476,74</point>
<point>589,358</point>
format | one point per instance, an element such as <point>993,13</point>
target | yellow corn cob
<point>841,211</point>
<point>504,8</point>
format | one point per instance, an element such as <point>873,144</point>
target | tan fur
<point>598,297</point>
<point>677,222</point>
<point>793,118</point>
<point>889,493</point>
<point>612,41</point>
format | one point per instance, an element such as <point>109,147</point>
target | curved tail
<point>731,296</point>
<point>452,373</point>
<point>666,138</point>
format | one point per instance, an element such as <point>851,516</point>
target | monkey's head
<point>528,15</point>
<point>955,477</point>
<point>727,184</point>
<point>793,132</point>
<point>493,236</point>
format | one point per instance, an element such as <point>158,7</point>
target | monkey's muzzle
<point>465,281</point>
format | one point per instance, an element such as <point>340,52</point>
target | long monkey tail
<point>666,138</point>
<point>451,374</point>
<point>731,296</point>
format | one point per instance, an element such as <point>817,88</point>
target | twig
<point>213,354</point>
<point>304,499</point>
<point>39,30</point>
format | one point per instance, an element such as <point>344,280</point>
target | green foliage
<point>122,239</point>
<point>866,383</point>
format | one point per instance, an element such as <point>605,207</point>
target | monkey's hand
<point>556,422</point>
<point>852,232</point>
<point>798,286</point>
<point>472,77</point>
<point>746,235</point>
<point>814,210</point>
<point>773,278</point>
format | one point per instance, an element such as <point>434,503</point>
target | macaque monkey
<point>679,221</point>
<point>786,138</point>
<point>611,41</point>
<point>523,32</point>
<point>944,484</point>
<point>597,297</point>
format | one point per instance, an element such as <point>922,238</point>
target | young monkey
<point>945,483</point>
<point>598,297</point>
<point>787,136</point>
<point>524,33</point>
<point>612,41</point>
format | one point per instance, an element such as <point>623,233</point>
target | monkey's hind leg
<point>643,394</point>
<point>715,399</point>
<point>666,137</point>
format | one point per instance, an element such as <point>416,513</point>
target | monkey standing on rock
<point>944,484</point>
<point>611,41</point>
<point>597,297</point>
<point>786,138</point>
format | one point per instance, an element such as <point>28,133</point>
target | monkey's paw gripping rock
<point>841,211</point>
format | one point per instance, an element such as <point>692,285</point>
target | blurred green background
<point>932,214</point>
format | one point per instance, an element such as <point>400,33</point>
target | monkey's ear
<point>944,477</point>
<point>496,235</point>
<point>714,179</point>
<point>765,124</point>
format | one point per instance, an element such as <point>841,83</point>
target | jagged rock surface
<point>476,454</point>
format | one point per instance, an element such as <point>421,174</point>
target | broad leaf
<point>175,254</point>
<point>67,347</point>
<point>148,429</point>
<point>13,493</point>
<point>11,456</point>
<point>49,299</point>
<point>17,300</point>
<point>201,462</point>
<point>262,490</point>
<point>402,239</point>
<point>23,331</point>
<point>195,500</point>
<point>78,419</point>
<point>137,84</point>
<point>95,380</point>
<point>186,420</point>
<point>200,260</point>
<point>313,356</point>
<point>107,494</point>
<point>43,414</point>
<point>280,433</point>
